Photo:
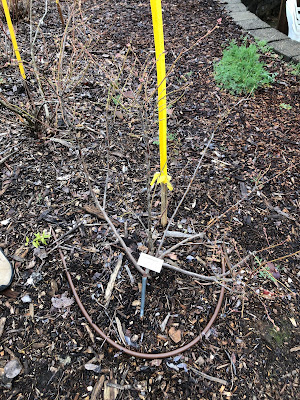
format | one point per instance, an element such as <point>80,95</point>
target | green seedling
<point>285,106</point>
<point>265,271</point>
<point>256,178</point>
<point>295,69</point>
<point>117,99</point>
<point>39,239</point>
<point>185,77</point>
<point>240,71</point>
<point>279,337</point>
<point>171,138</point>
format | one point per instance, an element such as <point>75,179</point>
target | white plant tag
<point>150,262</point>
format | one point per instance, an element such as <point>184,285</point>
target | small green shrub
<point>240,71</point>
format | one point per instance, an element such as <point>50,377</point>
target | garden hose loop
<point>148,356</point>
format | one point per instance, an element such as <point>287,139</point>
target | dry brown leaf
<point>175,334</point>
<point>129,94</point>
<point>119,114</point>
<point>94,211</point>
<point>21,251</point>
<point>297,348</point>
<point>143,248</point>
<point>97,388</point>
<point>4,189</point>
<point>172,256</point>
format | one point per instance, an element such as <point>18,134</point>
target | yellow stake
<point>162,176</point>
<point>13,37</point>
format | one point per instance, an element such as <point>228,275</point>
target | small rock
<point>92,367</point>
<point>26,299</point>
<point>200,360</point>
<point>62,302</point>
<point>34,278</point>
<point>136,303</point>
<point>12,368</point>
<point>10,371</point>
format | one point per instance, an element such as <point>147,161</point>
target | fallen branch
<point>62,237</point>
<point>211,223</point>
<point>175,234</point>
<point>32,42</point>
<point>196,236</point>
<point>2,161</point>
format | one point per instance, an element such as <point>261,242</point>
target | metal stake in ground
<point>162,177</point>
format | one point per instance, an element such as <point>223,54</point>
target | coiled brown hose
<point>149,356</point>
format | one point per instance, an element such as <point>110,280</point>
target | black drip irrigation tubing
<point>149,356</point>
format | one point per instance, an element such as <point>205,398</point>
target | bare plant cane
<point>33,37</point>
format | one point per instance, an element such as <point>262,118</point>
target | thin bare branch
<point>215,279</point>
<point>208,377</point>
<point>107,219</point>
<point>32,42</point>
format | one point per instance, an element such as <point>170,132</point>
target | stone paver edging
<point>249,22</point>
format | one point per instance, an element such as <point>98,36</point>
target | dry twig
<point>210,378</point>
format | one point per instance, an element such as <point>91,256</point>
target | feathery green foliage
<point>240,71</point>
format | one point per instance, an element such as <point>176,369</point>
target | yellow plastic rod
<point>162,176</point>
<point>13,37</point>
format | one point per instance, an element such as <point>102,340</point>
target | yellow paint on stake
<point>162,176</point>
<point>13,37</point>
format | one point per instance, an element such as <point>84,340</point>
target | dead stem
<point>208,377</point>
<point>100,208</point>
<point>32,42</point>
<point>215,279</point>
<point>30,119</point>
<point>149,203</point>
<point>198,167</point>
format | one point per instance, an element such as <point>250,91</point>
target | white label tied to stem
<point>150,262</point>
